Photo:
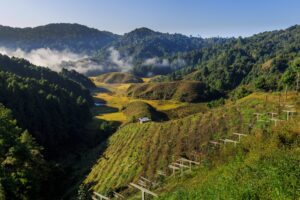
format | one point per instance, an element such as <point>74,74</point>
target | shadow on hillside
<point>104,109</point>
<point>160,117</point>
<point>83,159</point>
<point>100,90</point>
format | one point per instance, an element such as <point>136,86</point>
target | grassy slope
<point>142,149</point>
<point>138,109</point>
<point>264,166</point>
<point>184,91</point>
<point>118,77</point>
<point>116,99</point>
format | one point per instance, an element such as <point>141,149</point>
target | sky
<point>205,18</point>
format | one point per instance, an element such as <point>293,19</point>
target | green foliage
<point>83,193</point>
<point>269,170</point>
<point>78,78</point>
<point>216,103</point>
<point>107,127</point>
<point>22,168</point>
<point>53,109</point>
<point>261,60</point>
<point>240,92</point>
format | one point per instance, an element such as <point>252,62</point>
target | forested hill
<point>65,80</point>
<point>144,43</point>
<point>53,108</point>
<point>74,37</point>
<point>78,78</point>
<point>266,61</point>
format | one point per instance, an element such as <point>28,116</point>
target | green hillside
<point>266,61</point>
<point>118,77</point>
<point>140,109</point>
<point>141,149</point>
<point>184,91</point>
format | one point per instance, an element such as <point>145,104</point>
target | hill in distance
<point>139,109</point>
<point>183,91</point>
<point>118,77</point>
<point>63,36</point>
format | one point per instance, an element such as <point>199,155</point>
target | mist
<point>123,63</point>
<point>44,56</point>
<point>56,60</point>
<point>176,63</point>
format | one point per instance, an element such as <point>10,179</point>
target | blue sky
<point>191,17</point>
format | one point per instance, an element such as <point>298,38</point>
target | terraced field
<point>141,149</point>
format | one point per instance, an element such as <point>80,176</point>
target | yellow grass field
<point>116,98</point>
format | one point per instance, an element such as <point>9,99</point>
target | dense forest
<point>23,168</point>
<point>52,107</point>
<point>143,51</point>
<point>266,61</point>
<point>74,37</point>
<point>78,78</point>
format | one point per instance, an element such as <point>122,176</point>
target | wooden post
<point>257,116</point>
<point>214,143</point>
<point>181,166</point>
<point>101,196</point>
<point>288,112</point>
<point>231,141</point>
<point>143,190</point>
<point>272,114</point>
<point>161,173</point>
<point>118,196</point>
<point>240,135</point>
<point>190,162</point>
<point>276,120</point>
<point>174,168</point>
<point>286,88</point>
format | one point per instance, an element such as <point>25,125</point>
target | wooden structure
<point>174,169</point>
<point>190,162</point>
<point>161,173</point>
<point>100,196</point>
<point>151,183</point>
<point>143,190</point>
<point>275,120</point>
<point>272,114</point>
<point>258,115</point>
<point>288,113</point>
<point>290,106</point>
<point>240,135</point>
<point>229,141</point>
<point>142,183</point>
<point>215,143</point>
<point>118,196</point>
<point>181,166</point>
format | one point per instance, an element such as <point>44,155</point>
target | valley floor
<point>114,98</point>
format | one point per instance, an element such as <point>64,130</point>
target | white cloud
<point>44,56</point>
<point>124,63</point>
<point>164,62</point>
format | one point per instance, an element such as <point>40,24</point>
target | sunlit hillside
<point>142,149</point>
